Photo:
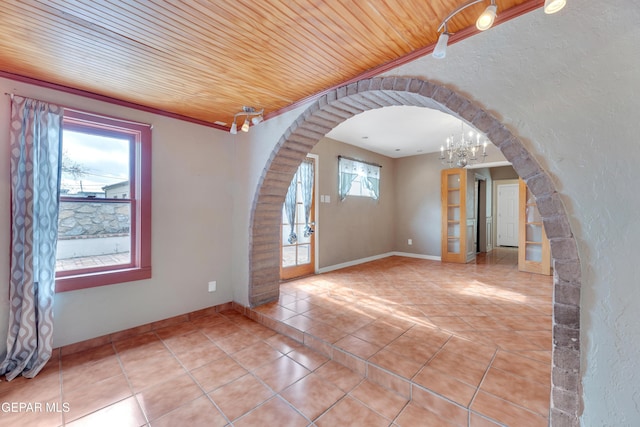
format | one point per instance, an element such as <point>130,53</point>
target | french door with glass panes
<point>534,251</point>
<point>297,237</point>
<point>453,198</point>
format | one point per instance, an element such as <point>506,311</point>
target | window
<point>104,224</point>
<point>358,178</point>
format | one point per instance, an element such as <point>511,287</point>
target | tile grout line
<point>190,376</point>
<point>486,372</point>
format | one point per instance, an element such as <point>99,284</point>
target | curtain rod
<point>361,161</point>
<point>11,95</point>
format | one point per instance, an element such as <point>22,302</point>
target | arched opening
<point>342,103</point>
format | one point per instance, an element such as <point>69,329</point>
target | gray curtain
<point>290,208</point>
<point>35,135</point>
<point>305,172</point>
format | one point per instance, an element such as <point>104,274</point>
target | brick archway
<point>340,104</point>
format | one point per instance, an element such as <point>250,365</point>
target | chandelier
<point>470,149</point>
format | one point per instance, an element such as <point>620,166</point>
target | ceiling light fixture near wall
<point>251,116</point>
<point>483,23</point>
<point>553,6</point>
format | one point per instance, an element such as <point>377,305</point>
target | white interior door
<point>507,215</point>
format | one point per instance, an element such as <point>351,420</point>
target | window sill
<point>102,278</point>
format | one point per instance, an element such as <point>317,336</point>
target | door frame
<point>481,212</point>
<point>316,210</point>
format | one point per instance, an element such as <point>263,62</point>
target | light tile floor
<point>473,340</point>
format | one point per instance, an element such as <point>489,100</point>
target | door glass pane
<point>288,256</point>
<point>299,213</point>
<point>454,246</point>
<point>453,181</point>
<point>533,215</point>
<point>454,214</point>
<point>454,198</point>
<point>533,253</point>
<point>534,233</point>
<point>454,230</point>
<point>300,232</point>
<point>304,254</point>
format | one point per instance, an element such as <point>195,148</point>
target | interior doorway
<point>481,215</point>
<point>298,225</point>
<point>507,215</point>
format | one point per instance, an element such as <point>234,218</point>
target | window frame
<point>139,267</point>
<point>358,179</point>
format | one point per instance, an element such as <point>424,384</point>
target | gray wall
<point>418,204</point>
<point>358,227</point>
<point>503,172</point>
<point>409,206</point>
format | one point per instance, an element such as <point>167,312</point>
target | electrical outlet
<point>212,286</point>
<point>410,242</point>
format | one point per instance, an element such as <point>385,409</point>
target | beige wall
<point>409,206</point>
<point>418,205</point>
<point>418,211</point>
<point>358,227</point>
<point>191,212</point>
<point>503,172</point>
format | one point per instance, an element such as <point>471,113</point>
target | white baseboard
<point>374,258</point>
<point>410,255</point>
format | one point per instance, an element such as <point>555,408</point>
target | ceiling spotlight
<point>250,116</point>
<point>440,50</point>
<point>553,6</point>
<point>485,21</point>
<point>245,125</point>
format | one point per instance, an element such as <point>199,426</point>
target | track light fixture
<point>251,116</point>
<point>484,22</point>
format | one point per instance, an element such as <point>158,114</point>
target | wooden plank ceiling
<point>206,59</point>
